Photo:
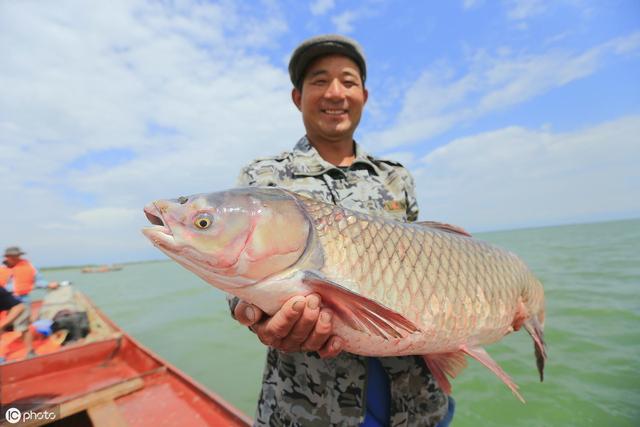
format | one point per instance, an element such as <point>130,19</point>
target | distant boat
<point>101,269</point>
<point>106,378</point>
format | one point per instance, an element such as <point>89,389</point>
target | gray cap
<point>326,44</point>
<point>13,251</point>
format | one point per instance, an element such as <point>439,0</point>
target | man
<point>307,382</point>
<point>23,276</point>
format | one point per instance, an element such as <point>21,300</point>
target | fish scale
<point>485,282</point>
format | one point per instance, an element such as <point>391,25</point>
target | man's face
<point>332,98</point>
<point>11,260</point>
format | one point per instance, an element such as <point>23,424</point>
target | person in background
<point>307,380</point>
<point>23,277</point>
<point>5,274</point>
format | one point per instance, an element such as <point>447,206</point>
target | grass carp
<point>396,288</point>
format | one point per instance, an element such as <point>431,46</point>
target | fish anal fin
<point>443,365</point>
<point>444,227</point>
<point>483,357</point>
<point>358,312</point>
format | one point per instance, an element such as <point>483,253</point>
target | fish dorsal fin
<point>358,312</point>
<point>444,227</point>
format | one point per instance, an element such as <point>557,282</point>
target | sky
<point>509,114</point>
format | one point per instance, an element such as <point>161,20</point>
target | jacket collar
<point>308,162</point>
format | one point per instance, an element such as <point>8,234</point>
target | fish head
<point>232,238</point>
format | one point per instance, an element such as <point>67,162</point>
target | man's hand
<point>299,325</point>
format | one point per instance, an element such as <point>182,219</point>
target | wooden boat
<point>101,269</point>
<point>109,379</point>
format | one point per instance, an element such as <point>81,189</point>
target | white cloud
<point>518,10</point>
<point>438,99</point>
<point>320,7</point>
<point>513,177</point>
<point>470,4</point>
<point>106,217</point>
<point>624,45</point>
<point>101,78</point>
<point>344,21</point>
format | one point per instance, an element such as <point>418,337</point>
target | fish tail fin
<point>483,357</point>
<point>535,329</point>
<point>443,364</point>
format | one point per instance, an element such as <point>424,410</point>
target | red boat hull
<point>114,381</point>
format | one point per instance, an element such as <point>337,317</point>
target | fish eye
<point>203,221</point>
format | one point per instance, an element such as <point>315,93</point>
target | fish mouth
<point>159,233</point>
<point>162,237</point>
<point>153,215</point>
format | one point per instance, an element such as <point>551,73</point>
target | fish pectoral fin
<point>358,312</point>
<point>442,365</point>
<point>481,355</point>
<point>444,227</point>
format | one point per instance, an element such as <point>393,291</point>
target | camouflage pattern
<point>301,389</point>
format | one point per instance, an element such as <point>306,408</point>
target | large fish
<point>396,288</point>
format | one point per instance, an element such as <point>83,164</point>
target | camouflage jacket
<point>300,389</point>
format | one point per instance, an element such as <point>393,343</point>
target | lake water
<point>591,275</point>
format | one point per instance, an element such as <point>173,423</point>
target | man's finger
<point>305,324</point>
<point>332,348</point>
<point>247,314</point>
<point>321,333</point>
<point>266,339</point>
<point>283,321</point>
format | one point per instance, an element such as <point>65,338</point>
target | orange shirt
<point>24,277</point>
<point>5,273</point>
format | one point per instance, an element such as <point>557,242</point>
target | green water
<point>591,275</point>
